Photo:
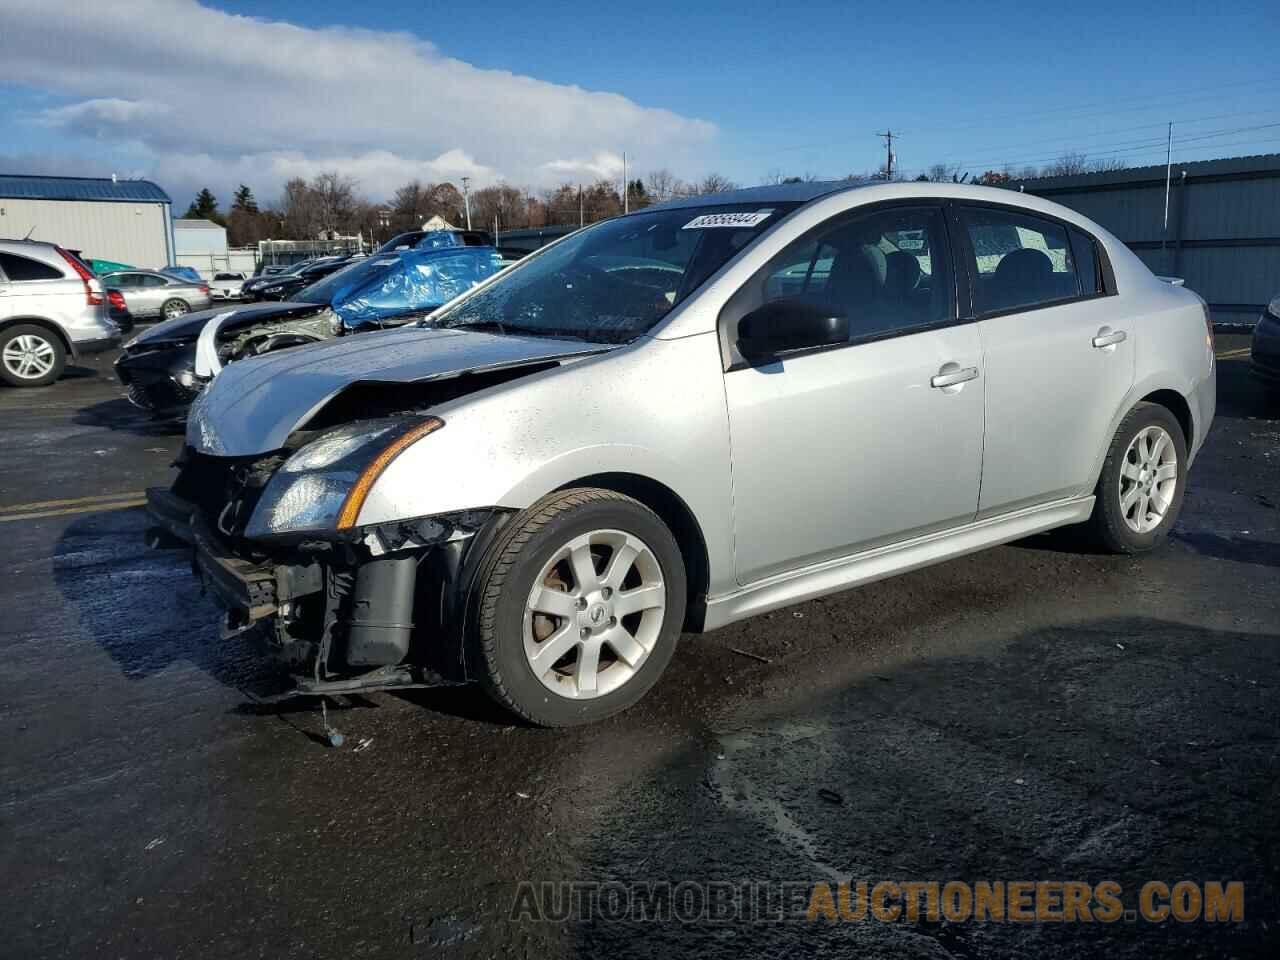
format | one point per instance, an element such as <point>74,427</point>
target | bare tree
<point>661,185</point>
<point>714,183</point>
<point>1068,164</point>
<point>336,201</point>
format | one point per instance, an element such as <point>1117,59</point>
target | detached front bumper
<point>157,385</point>
<point>358,613</point>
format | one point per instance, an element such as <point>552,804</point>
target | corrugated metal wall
<point>1224,225</point>
<point>127,232</point>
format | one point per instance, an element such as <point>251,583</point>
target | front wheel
<point>580,600</point>
<point>30,356</point>
<point>1143,480</point>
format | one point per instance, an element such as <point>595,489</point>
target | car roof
<point>42,244</point>
<point>774,193</point>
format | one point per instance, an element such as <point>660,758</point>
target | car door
<point>1059,362</point>
<point>150,293</point>
<point>6,296</point>
<point>130,285</point>
<point>853,446</point>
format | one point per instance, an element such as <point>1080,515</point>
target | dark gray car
<point>151,296</point>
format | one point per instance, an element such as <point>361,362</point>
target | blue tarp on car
<point>387,285</point>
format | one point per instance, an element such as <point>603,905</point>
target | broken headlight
<point>324,484</point>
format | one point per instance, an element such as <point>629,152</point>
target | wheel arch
<point>1163,390</point>
<point>680,520</point>
<point>44,322</point>
<point>1176,404</point>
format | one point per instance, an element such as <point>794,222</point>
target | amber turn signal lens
<point>355,499</point>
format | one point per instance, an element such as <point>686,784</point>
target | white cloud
<point>190,92</point>
<point>604,165</point>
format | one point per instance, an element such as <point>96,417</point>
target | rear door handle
<point>1110,339</point>
<point>963,375</point>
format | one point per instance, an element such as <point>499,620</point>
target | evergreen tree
<point>204,207</point>
<point>244,200</point>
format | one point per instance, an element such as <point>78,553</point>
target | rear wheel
<point>175,308</point>
<point>580,606</point>
<point>1143,480</point>
<point>30,356</point>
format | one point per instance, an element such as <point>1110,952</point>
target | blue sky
<point>739,88</point>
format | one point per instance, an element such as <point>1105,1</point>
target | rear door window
<point>1019,261</point>
<point>18,268</point>
<point>1085,249</point>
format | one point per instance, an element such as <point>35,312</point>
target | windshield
<point>613,281</point>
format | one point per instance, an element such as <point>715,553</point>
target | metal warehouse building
<point>1223,233</point>
<point>128,221</point>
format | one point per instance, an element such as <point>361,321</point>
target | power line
<point>1115,149</point>
<point>1181,121</point>
<point>1055,114</point>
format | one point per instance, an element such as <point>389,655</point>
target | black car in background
<point>371,293</point>
<point>284,286</point>
<point>1265,349</point>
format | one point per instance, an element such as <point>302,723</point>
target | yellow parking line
<point>45,504</point>
<point>92,508</point>
<point>1233,354</point>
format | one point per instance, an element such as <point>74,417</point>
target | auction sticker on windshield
<point>737,220</point>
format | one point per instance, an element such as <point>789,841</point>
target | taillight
<point>116,299</point>
<point>92,286</point>
<point>1208,324</point>
<point>204,289</point>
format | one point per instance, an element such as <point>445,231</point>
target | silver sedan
<point>687,416</point>
<point>157,296</point>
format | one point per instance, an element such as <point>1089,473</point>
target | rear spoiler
<point>1174,281</point>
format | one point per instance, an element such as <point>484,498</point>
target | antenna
<point>30,232</point>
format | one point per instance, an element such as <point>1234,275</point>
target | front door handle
<point>953,377</point>
<point>1109,339</point>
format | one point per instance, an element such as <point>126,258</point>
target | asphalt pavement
<point>1037,712</point>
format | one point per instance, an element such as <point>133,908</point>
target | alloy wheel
<point>29,357</point>
<point>594,614</point>
<point>176,309</point>
<point>1148,479</point>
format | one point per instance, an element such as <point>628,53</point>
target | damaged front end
<point>344,607</point>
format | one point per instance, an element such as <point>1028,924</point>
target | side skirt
<point>831,576</point>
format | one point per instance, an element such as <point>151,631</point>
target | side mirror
<point>782,325</point>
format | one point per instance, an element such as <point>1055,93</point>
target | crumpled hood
<point>255,404</point>
<point>191,324</point>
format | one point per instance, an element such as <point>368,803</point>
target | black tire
<point>48,338</point>
<point>180,307</point>
<point>525,545</point>
<point>1107,524</point>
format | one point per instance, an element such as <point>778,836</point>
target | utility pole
<point>888,153</point>
<point>1168,171</point>
<point>579,205</point>
<point>626,208</point>
<point>466,198</point>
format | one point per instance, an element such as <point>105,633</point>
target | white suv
<point>51,306</point>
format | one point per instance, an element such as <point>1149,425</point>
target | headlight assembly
<point>323,485</point>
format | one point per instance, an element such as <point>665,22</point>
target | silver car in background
<point>696,413</point>
<point>51,307</point>
<point>158,296</point>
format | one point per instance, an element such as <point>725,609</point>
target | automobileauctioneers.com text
<point>884,901</point>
